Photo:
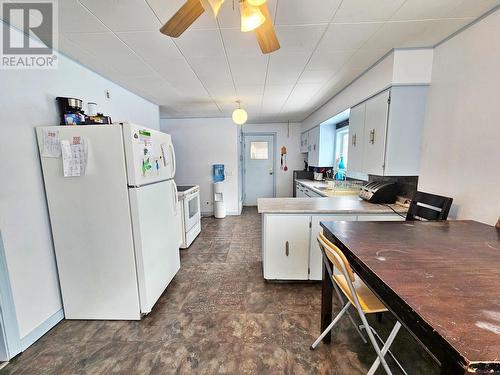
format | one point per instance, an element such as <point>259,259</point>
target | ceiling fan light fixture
<point>256,3</point>
<point>251,17</point>
<point>240,116</point>
<point>213,4</point>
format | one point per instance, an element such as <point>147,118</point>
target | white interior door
<point>155,224</point>
<point>259,168</point>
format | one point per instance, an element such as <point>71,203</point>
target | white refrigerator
<point>113,209</point>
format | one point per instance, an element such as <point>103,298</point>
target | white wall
<point>199,143</point>
<point>400,67</point>
<point>461,144</point>
<point>27,99</point>
<point>289,139</point>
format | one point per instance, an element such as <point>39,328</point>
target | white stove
<point>189,199</point>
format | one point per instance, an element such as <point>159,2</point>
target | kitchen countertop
<point>346,204</point>
<point>317,186</point>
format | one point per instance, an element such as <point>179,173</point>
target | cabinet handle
<point>372,136</point>
<point>354,139</point>
<point>287,248</point>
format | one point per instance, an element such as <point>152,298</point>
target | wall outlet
<point>107,94</point>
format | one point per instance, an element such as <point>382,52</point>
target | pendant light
<point>256,3</point>
<point>251,17</point>
<point>240,116</point>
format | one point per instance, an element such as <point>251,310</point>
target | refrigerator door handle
<point>176,198</point>
<point>174,165</point>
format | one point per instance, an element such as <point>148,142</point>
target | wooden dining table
<point>441,280</point>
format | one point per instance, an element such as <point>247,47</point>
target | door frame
<point>243,153</point>
<point>9,329</point>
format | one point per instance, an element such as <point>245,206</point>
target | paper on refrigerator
<point>75,157</point>
<point>51,147</point>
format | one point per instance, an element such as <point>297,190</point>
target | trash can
<point>219,204</point>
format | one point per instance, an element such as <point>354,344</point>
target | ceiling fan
<point>255,17</point>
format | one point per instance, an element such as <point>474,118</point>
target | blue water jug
<point>218,175</point>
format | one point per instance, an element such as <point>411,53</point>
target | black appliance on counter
<point>379,192</point>
<point>71,113</point>
<point>301,175</point>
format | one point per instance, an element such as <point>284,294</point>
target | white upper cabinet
<point>356,134</point>
<point>304,137</point>
<point>386,133</point>
<point>321,151</point>
<point>377,110</point>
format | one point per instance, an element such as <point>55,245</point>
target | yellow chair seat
<point>369,302</point>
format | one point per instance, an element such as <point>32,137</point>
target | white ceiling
<point>325,44</point>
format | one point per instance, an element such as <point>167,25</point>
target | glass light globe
<point>251,17</point>
<point>256,3</point>
<point>240,116</point>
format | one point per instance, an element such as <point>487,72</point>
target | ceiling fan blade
<point>184,18</point>
<point>266,35</point>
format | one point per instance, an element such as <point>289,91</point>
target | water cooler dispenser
<point>219,204</point>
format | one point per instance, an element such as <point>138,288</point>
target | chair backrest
<point>336,256</point>
<point>425,206</point>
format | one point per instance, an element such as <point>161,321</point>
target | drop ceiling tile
<point>174,71</point>
<point>302,93</point>
<point>73,17</point>
<point>274,97</point>
<point>299,39</point>
<point>164,9</point>
<point>85,58</point>
<point>200,43</point>
<point>123,15</point>
<point>151,45</point>
<point>212,71</point>
<point>111,51</point>
<point>364,59</point>
<point>249,70</point>
<point>414,33</point>
<point>432,9</point>
<point>315,76</point>
<point>298,12</point>
<point>367,10</point>
<point>240,44</point>
<point>285,68</point>
<point>329,60</point>
<point>349,36</point>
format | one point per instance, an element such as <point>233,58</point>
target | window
<point>341,144</point>
<point>259,150</point>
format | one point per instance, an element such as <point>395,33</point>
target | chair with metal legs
<point>362,298</point>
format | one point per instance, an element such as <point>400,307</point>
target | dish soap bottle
<point>341,170</point>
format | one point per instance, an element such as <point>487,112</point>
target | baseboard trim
<point>41,330</point>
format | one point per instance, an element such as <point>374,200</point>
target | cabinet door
<point>286,247</point>
<point>315,257</point>
<point>356,134</point>
<point>313,157</point>
<point>377,110</point>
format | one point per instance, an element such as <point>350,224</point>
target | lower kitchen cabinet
<point>290,250</point>
<point>315,257</point>
<point>286,247</point>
